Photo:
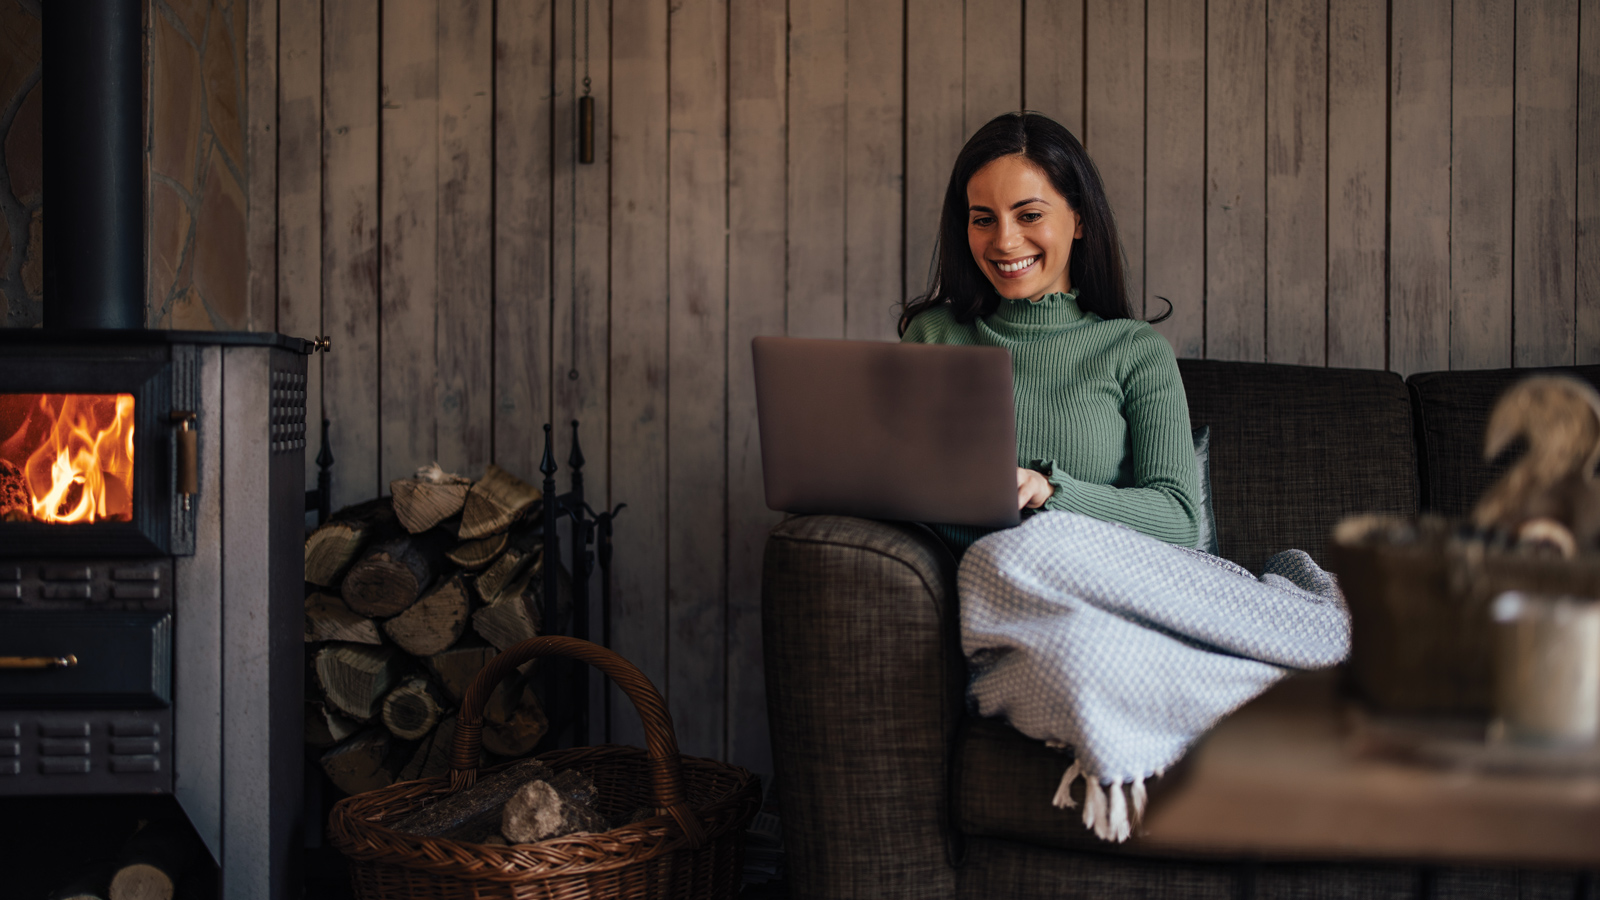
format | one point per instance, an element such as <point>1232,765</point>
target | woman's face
<point>1020,230</point>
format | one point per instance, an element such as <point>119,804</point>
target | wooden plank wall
<point>1410,186</point>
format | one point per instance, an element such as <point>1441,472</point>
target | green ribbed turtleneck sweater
<point>1101,412</point>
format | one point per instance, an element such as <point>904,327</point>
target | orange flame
<point>82,469</point>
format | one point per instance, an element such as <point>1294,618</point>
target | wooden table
<point>1280,779</point>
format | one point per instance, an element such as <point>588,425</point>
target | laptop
<point>908,432</point>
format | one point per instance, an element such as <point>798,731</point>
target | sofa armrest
<point>865,685</point>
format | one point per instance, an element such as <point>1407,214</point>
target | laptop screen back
<point>911,432</point>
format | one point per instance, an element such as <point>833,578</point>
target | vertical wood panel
<point>1481,105</point>
<point>1175,215</point>
<point>1236,62</point>
<point>1297,111</point>
<point>1546,181</point>
<point>409,192</point>
<point>261,166</point>
<point>1358,33</point>
<point>756,238</point>
<point>933,128</point>
<point>992,63</point>
<point>522,230</point>
<point>581,311</point>
<point>350,249</point>
<point>1052,58</point>
<point>816,168</point>
<point>1113,123</point>
<point>465,249</point>
<point>1419,177</point>
<point>638,430</point>
<point>697,374</point>
<point>1205,120</point>
<point>299,194</point>
<point>873,176</point>
<point>1588,211</point>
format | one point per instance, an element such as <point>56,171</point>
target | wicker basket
<point>692,849</point>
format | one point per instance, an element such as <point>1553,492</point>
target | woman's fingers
<point>1032,489</point>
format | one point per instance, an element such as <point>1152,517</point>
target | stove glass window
<point>66,458</point>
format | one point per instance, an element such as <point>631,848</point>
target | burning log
<point>329,619</point>
<point>429,498</point>
<point>433,623</point>
<point>392,575</point>
<point>472,814</point>
<point>495,501</point>
<point>355,678</point>
<point>15,505</point>
<point>332,548</point>
<point>411,710</point>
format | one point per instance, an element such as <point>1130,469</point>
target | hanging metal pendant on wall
<point>586,129</point>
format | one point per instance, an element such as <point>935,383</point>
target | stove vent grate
<point>288,412</point>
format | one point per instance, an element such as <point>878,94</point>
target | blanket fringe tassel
<point>1112,813</point>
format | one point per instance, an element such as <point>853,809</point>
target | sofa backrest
<point>1296,448</point>
<point>1452,410</point>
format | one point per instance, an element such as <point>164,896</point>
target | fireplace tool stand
<point>568,685</point>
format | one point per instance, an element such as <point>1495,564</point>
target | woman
<point>1029,260</point>
<point>1094,625</point>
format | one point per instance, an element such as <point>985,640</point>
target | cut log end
<point>364,762</point>
<point>329,619</point>
<point>420,505</point>
<point>495,501</point>
<point>354,678</point>
<point>411,710</point>
<point>432,624</point>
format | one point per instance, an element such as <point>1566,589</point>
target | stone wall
<point>21,165</point>
<point>195,260</point>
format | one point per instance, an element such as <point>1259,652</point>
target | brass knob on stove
<point>38,662</point>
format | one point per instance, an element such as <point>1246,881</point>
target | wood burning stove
<point>151,505</point>
<point>150,582</point>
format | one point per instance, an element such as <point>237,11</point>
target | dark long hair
<point>1096,265</point>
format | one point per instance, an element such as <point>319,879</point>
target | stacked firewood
<point>408,597</point>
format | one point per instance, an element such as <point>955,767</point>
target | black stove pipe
<point>93,79</point>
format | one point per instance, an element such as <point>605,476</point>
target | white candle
<point>1546,668</point>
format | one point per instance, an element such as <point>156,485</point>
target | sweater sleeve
<point>1160,497</point>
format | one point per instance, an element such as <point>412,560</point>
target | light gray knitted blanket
<point>1088,634</point>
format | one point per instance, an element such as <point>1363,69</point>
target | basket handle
<point>666,771</point>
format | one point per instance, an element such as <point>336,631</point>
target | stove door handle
<point>38,662</point>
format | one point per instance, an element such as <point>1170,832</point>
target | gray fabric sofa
<point>890,790</point>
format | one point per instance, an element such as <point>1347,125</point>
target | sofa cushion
<point>1004,784</point>
<point>1296,448</point>
<point>1452,412</point>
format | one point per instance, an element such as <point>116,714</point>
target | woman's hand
<point>1032,489</point>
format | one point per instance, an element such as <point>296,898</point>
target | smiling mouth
<point>1017,265</point>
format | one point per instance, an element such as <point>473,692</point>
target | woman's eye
<point>1030,217</point>
<point>982,222</point>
